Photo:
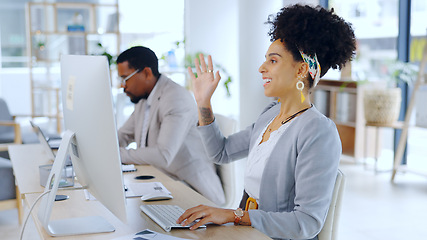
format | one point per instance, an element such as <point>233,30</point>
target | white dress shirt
<point>257,159</point>
<point>147,117</point>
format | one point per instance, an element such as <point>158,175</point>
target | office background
<point>235,34</point>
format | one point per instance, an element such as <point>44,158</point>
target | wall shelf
<point>342,101</point>
<point>54,29</point>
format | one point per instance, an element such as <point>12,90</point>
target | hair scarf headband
<point>313,66</point>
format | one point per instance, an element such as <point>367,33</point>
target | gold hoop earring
<point>300,87</point>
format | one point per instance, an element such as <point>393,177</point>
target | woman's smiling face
<point>279,71</point>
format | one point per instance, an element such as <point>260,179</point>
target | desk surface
<point>27,158</point>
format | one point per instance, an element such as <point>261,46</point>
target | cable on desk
<point>29,213</point>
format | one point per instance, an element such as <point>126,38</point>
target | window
<point>158,25</point>
<point>13,49</point>
<point>375,23</point>
<point>418,31</point>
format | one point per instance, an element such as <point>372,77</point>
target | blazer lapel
<point>155,103</point>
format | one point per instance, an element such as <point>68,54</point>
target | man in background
<point>163,125</point>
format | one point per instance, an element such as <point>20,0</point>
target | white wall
<point>212,27</point>
<point>234,33</point>
<point>309,2</point>
<point>253,44</point>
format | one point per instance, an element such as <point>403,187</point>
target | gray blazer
<point>299,176</point>
<point>173,144</point>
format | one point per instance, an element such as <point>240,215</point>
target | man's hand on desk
<point>206,214</point>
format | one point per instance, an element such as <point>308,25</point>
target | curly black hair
<point>314,30</point>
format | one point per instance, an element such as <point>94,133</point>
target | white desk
<point>27,158</point>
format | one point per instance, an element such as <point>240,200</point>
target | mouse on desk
<point>156,196</point>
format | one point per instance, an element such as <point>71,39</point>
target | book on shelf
<point>75,28</point>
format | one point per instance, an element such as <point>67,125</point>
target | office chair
<point>8,193</point>
<point>330,228</point>
<point>228,172</point>
<point>10,133</point>
<point>7,183</point>
<point>10,130</point>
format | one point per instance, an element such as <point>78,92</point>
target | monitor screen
<point>43,141</point>
<point>91,134</point>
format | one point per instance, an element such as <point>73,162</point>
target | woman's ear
<point>303,69</point>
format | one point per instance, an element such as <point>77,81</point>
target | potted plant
<point>41,50</point>
<point>382,104</point>
<point>103,51</point>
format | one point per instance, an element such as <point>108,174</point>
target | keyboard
<point>165,215</point>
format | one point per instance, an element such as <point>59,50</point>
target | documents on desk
<point>128,168</point>
<point>138,189</point>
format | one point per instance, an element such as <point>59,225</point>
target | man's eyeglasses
<point>123,80</point>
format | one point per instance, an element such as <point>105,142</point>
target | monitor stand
<point>70,226</point>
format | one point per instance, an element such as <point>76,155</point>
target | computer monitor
<point>43,141</point>
<point>90,139</point>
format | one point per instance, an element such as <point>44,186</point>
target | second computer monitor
<point>90,139</point>
<point>88,112</point>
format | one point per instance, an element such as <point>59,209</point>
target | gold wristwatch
<point>238,214</point>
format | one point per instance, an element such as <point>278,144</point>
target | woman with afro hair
<point>293,150</point>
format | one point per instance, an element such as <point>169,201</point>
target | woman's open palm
<point>205,83</point>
